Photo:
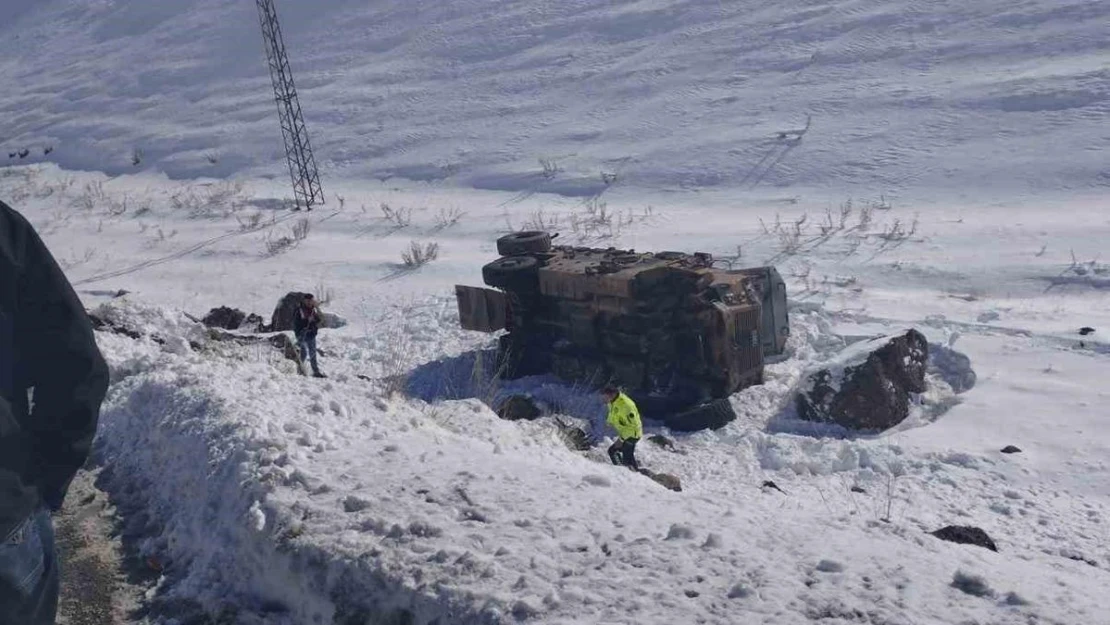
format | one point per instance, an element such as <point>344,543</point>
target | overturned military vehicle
<point>677,332</point>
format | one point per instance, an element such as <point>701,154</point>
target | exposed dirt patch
<point>96,590</point>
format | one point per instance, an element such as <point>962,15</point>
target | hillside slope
<point>909,97</point>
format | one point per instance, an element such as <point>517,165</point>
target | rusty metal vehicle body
<point>678,334</point>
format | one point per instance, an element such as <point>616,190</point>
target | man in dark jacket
<point>305,325</point>
<point>52,381</point>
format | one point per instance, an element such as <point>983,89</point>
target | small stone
<point>973,585</point>
<point>1012,598</point>
<point>1010,449</point>
<point>355,504</point>
<point>691,593</point>
<point>829,566</point>
<point>739,591</point>
<point>680,532</point>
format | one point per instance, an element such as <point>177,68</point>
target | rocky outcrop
<point>666,480</point>
<point>225,318</point>
<point>868,386</point>
<point>965,535</point>
<point>518,407</point>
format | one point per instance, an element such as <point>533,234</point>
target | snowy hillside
<point>952,178</point>
<point>907,98</point>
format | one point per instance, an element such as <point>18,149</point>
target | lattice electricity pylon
<point>298,151</point>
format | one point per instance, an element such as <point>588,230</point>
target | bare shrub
<point>896,232</point>
<point>212,157</point>
<point>549,167</point>
<point>324,294</point>
<point>790,239</point>
<point>542,221</point>
<point>399,217</point>
<point>866,215</point>
<point>223,198</point>
<point>1091,273</point>
<point>278,245</point>
<point>447,217</point>
<point>137,157</point>
<point>301,229</point>
<point>881,204</point>
<point>117,207</point>
<point>92,195</point>
<point>250,221</point>
<point>74,260</point>
<point>608,177</point>
<point>419,255</point>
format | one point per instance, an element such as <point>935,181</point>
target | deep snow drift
<point>313,500</point>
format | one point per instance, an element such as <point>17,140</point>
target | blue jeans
<point>29,573</point>
<point>307,347</point>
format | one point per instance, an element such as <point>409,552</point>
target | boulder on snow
<point>868,386</point>
<point>286,310</point>
<point>576,438</point>
<point>224,318</point>
<point>282,319</point>
<point>662,441</point>
<point>517,407</point>
<point>965,535</point>
<point>331,321</point>
<point>666,480</point>
<point>953,367</point>
<point>255,323</point>
<point>1010,449</point>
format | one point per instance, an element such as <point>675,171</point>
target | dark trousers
<point>624,452</point>
<point>307,346</point>
<point>29,573</point>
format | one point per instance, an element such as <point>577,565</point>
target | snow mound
<point>280,499</point>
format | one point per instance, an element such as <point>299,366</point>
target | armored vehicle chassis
<point>677,333</point>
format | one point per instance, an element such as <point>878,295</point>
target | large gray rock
<point>519,407</point>
<point>225,318</point>
<point>286,310</point>
<point>868,386</point>
<point>282,319</point>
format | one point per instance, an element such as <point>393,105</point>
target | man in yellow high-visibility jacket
<point>625,419</point>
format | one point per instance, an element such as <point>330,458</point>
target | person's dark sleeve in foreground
<point>57,356</point>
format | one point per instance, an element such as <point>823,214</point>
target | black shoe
<point>317,374</point>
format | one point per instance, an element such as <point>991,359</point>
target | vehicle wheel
<point>511,273</point>
<point>527,242</point>
<point>710,415</point>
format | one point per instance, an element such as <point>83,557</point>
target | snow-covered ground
<point>953,179</point>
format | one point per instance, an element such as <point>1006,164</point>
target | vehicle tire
<point>512,273</point>
<point>527,242</point>
<point>710,415</point>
